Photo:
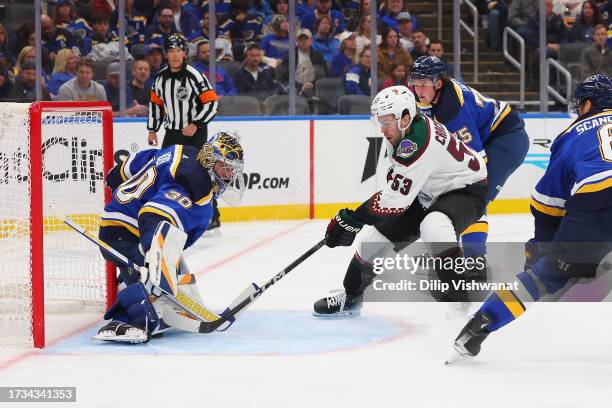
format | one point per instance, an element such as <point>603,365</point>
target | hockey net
<point>53,156</point>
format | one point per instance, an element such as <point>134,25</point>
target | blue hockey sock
<point>501,308</point>
<point>474,239</point>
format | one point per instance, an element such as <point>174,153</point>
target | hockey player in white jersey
<point>436,187</point>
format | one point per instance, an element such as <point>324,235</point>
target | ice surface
<point>278,355</point>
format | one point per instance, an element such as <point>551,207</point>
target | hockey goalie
<point>161,205</point>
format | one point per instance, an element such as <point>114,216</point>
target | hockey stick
<point>182,300</point>
<point>207,327</point>
<point>250,294</point>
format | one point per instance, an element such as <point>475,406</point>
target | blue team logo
<point>406,148</point>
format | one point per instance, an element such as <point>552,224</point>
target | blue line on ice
<point>256,332</point>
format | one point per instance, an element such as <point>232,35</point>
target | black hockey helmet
<point>175,41</point>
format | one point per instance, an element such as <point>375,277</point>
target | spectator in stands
<point>6,84</point>
<point>389,52</point>
<point>162,27</point>
<point>399,76</point>
<point>154,55</point>
<point>436,48</point>
<point>223,10</point>
<point>135,23</point>
<point>82,87</point>
<point>357,80</point>
<point>245,25</point>
<point>605,10</point>
<point>279,7</point>
<point>583,27</point>
<point>23,37</point>
<point>521,15</point>
<point>351,11</point>
<point>404,23</point>
<point>63,70</point>
<point>364,8</point>
<point>253,78</point>
<point>24,89</point>
<point>276,44</point>
<point>104,42</point>
<point>65,17</point>
<point>363,33</point>
<point>309,65</point>
<point>421,44</point>
<point>556,32</point>
<point>597,58</point>
<point>324,8</point>
<point>102,6</point>
<point>223,45</point>
<point>28,53</point>
<point>497,21</point>
<point>53,38</point>
<point>183,21</point>
<point>6,56</point>
<point>141,72</point>
<point>346,57</point>
<point>324,41</point>
<point>224,85</point>
<point>111,87</point>
<point>392,11</point>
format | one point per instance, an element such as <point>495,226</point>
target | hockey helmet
<point>597,89</point>
<point>395,100</point>
<point>427,67</point>
<point>227,164</point>
<point>175,41</point>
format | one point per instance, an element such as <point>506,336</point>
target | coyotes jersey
<point>428,162</point>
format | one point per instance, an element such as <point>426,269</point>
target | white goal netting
<point>72,186</point>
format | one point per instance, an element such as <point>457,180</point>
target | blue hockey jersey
<point>156,185</point>
<point>473,117</point>
<point>579,175</point>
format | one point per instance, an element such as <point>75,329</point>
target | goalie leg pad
<point>163,258</point>
<point>133,307</point>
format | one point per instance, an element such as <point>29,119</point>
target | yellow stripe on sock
<point>511,302</point>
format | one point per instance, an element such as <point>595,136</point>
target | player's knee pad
<point>373,244</point>
<point>438,233</point>
<point>133,307</point>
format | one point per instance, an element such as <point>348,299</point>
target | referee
<point>181,98</point>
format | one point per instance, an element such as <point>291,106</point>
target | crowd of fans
<point>332,40</point>
<point>588,23</point>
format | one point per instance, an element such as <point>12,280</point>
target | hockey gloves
<point>342,229</point>
<point>534,250</point>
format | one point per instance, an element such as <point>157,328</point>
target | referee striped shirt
<point>180,98</point>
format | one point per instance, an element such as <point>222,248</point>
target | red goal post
<point>69,150</point>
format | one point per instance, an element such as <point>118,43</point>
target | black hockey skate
<point>123,333</point>
<point>338,306</point>
<point>469,340</point>
<point>214,228</point>
<point>478,273</point>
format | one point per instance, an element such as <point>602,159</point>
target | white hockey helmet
<point>394,101</point>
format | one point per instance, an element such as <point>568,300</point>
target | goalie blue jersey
<point>156,185</point>
<point>473,117</point>
<point>579,175</point>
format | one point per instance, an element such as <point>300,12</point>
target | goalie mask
<point>223,156</point>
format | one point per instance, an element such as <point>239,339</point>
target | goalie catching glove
<point>342,229</point>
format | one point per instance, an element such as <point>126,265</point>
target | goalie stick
<point>249,295</point>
